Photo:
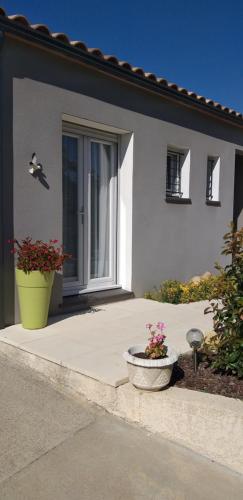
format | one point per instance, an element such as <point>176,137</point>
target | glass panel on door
<point>101,174</point>
<point>70,205</point>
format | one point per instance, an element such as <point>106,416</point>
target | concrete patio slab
<point>92,343</point>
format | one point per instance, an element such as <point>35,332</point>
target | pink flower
<point>157,340</point>
<point>149,325</point>
<point>160,325</point>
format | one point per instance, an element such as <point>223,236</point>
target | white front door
<point>89,211</point>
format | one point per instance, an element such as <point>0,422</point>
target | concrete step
<point>83,302</point>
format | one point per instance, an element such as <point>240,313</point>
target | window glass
<point>212,187</point>
<point>101,173</point>
<point>70,200</point>
<point>173,177</point>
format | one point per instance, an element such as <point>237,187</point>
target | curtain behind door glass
<point>70,204</point>
<point>101,173</point>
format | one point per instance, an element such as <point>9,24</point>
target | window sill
<point>177,200</point>
<point>213,203</point>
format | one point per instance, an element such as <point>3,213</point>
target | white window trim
<point>185,175</point>
<point>215,178</point>
<point>185,171</point>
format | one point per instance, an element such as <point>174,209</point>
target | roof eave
<point>87,58</point>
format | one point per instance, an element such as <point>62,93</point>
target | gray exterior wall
<point>166,241</point>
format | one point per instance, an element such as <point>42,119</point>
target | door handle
<point>82,213</point>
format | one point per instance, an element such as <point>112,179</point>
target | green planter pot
<point>34,291</point>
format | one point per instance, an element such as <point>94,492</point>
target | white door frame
<point>84,284</point>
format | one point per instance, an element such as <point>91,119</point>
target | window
<point>210,167</point>
<point>173,178</point>
<point>212,188</point>
<point>178,176</point>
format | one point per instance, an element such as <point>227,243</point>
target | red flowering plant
<point>156,347</point>
<point>38,256</point>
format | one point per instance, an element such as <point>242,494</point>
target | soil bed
<point>206,379</point>
<point>142,355</point>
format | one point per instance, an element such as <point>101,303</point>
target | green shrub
<point>228,312</point>
<point>169,291</point>
<point>176,292</point>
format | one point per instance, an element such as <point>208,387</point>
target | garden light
<point>195,339</point>
<point>34,165</point>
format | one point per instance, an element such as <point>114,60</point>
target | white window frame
<point>183,156</point>
<point>213,178</point>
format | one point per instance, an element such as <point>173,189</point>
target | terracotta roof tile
<point>112,59</point>
<point>17,18</point>
<point>138,71</point>
<point>42,28</point>
<point>96,52</point>
<point>210,102</point>
<point>162,81</point>
<point>126,65</point>
<point>173,86</point>
<point>183,91</point>
<point>79,45</point>
<point>63,38</point>
<point>151,76</point>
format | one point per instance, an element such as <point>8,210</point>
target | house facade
<point>139,178</point>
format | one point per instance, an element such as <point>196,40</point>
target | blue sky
<point>196,44</point>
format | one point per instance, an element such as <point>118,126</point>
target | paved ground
<point>53,447</point>
<point>93,343</point>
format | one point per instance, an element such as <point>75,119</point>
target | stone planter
<point>149,374</point>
